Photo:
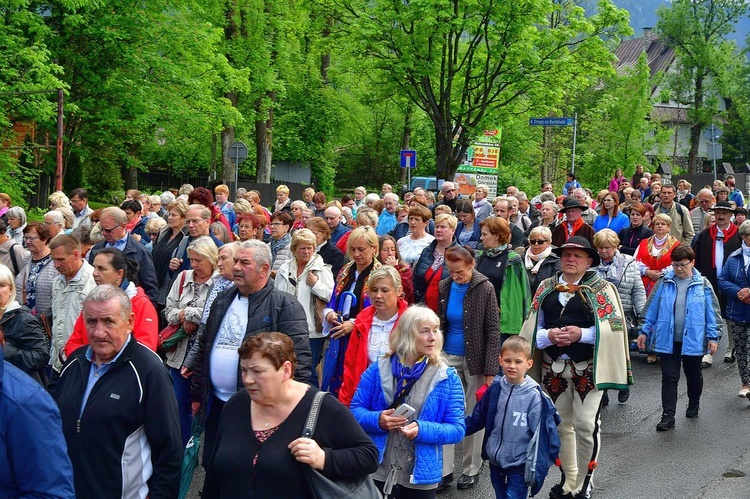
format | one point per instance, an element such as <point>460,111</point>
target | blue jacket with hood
<point>702,316</point>
<point>531,445</point>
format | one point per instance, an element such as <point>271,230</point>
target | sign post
<point>564,121</point>
<point>712,134</point>
<point>238,154</point>
<point>408,161</point>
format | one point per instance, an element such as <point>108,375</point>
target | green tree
<point>457,60</point>
<point>26,68</point>
<point>617,132</point>
<point>696,30</point>
<point>137,73</point>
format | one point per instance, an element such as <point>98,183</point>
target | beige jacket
<point>67,303</point>
<point>192,300</point>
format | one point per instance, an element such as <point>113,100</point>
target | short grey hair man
<point>261,251</point>
<point>106,292</point>
<point>115,213</point>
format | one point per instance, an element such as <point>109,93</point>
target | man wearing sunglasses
<point>699,215</point>
<point>112,225</point>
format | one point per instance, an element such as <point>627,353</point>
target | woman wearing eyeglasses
<point>281,240</point>
<point>539,260</point>
<point>168,241</point>
<point>309,279</point>
<point>34,282</point>
<point>609,215</point>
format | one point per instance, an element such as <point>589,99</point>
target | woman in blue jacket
<point>681,324</point>
<point>610,216</point>
<point>410,448</point>
<point>734,281</point>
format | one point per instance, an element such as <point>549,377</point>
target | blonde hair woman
<point>372,328</point>
<point>307,277</point>
<point>185,303</point>
<point>340,314</point>
<point>434,390</point>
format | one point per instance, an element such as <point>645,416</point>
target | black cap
<point>581,243</point>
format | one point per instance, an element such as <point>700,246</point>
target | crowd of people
<point>425,318</point>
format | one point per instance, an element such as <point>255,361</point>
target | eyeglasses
<point>537,242</point>
<point>194,221</point>
<point>681,265</point>
<point>30,238</point>
<point>110,231</point>
<point>153,234</point>
<point>276,224</point>
<point>705,201</point>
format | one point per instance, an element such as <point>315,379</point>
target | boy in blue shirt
<point>521,440</point>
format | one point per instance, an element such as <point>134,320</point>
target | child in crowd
<point>521,440</point>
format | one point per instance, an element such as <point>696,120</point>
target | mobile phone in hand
<point>403,411</point>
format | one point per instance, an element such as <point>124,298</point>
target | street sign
<point>238,152</point>
<point>714,152</point>
<point>712,133</point>
<point>551,121</point>
<point>408,158</point>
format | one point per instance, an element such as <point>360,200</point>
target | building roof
<point>660,56</point>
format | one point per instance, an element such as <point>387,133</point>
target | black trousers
<point>670,378</point>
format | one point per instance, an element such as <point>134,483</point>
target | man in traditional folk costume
<point>577,329</point>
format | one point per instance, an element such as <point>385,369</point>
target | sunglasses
<point>109,231</point>
<point>537,242</point>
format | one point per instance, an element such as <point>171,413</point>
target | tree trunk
<point>131,177</point>
<point>228,167</point>
<point>695,130</point>
<point>264,140</point>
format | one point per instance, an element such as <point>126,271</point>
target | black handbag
<point>323,487</point>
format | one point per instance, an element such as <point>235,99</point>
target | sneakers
<point>743,393</point>
<point>666,423</point>
<point>729,357</point>
<point>692,410</point>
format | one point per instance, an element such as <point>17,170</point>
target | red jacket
<point>145,328</point>
<point>355,361</point>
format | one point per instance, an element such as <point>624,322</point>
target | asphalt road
<point>703,458</point>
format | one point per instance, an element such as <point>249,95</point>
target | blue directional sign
<point>408,158</point>
<point>551,121</point>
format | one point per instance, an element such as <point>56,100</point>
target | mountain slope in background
<point>643,15</point>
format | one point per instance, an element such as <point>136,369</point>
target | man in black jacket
<point>253,305</point>
<point>112,221</point>
<point>118,408</point>
<point>712,247</point>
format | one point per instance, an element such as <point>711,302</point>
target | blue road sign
<point>551,121</point>
<point>408,158</point>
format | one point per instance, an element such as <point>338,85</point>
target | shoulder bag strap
<point>312,416</point>
<point>14,258</point>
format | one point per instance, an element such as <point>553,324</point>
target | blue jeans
<point>508,485</point>
<point>182,392</point>
<point>316,349</point>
